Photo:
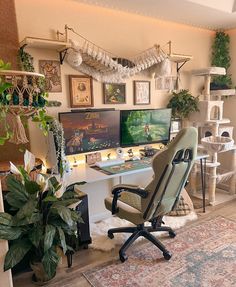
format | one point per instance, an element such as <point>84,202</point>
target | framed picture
<point>175,125</point>
<point>81,91</point>
<point>92,158</point>
<point>114,93</point>
<point>52,72</point>
<point>141,92</point>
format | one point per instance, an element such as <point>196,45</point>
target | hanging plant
<point>21,94</point>
<point>221,58</point>
<point>58,135</point>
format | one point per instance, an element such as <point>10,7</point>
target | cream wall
<point>122,33</point>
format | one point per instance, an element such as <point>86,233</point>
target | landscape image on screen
<point>90,131</point>
<point>145,126</point>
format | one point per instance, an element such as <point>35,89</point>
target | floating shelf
<point>222,93</point>
<point>179,58</point>
<point>210,71</point>
<point>223,121</point>
<point>33,42</point>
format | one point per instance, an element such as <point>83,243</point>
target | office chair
<point>138,205</point>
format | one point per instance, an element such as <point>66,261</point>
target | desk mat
<point>127,166</point>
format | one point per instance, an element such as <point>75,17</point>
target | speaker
<point>119,152</point>
<point>83,229</point>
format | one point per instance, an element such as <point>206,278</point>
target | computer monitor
<point>145,126</point>
<point>90,131</point>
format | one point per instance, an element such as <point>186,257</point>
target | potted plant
<point>39,220</point>
<point>182,104</point>
<point>9,97</point>
<point>221,58</point>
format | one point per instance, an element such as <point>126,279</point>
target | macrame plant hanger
<point>25,95</point>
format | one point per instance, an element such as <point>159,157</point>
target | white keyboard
<point>109,162</point>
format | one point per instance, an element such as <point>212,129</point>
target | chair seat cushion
<point>126,211</point>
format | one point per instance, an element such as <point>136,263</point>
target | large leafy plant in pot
<point>38,222</point>
<point>183,104</point>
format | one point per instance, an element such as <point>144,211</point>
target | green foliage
<point>221,58</point>
<point>39,100</point>
<point>182,104</point>
<point>4,99</point>
<point>38,223</point>
<point>26,60</point>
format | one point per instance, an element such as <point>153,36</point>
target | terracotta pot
<point>39,277</point>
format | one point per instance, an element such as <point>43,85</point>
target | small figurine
<point>108,156</point>
<point>130,153</point>
<point>75,164</point>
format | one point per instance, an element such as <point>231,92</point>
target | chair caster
<point>167,255</point>
<point>172,234</point>
<point>123,257</point>
<point>110,235</point>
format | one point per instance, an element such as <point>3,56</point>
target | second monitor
<point>140,127</point>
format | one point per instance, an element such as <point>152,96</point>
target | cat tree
<point>215,135</point>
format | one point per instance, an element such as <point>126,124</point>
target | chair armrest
<point>130,188</point>
<point>116,191</point>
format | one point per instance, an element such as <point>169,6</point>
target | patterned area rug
<point>204,255</point>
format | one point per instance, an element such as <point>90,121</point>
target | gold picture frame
<point>81,91</point>
<point>52,71</point>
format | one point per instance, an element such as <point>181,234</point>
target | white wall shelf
<point>33,42</point>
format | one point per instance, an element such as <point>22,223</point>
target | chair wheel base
<point>123,257</point>
<point>110,235</point>
<point>167,255</point>
<point>172,234</point>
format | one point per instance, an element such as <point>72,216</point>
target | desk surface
<point>84,173</point>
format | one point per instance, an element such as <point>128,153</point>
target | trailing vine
<point>26,61</point>
<point>58,134</point>
<point>4,99</point>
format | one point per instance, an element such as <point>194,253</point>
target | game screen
<point>145,126</point>
<point>90,131</point>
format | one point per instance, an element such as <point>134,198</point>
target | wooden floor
<point>86,259</point>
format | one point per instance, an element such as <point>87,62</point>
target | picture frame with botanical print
<point>52,71</point>
<point>114,93</point>
<point>142,94</point>
<point>81,91</point>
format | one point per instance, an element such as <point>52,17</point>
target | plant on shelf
<point>26,61</point>
<point>221,58</point>
<point>39,220</point>
<point>182,104</point>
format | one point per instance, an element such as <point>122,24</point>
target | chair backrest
<point>171,169</point>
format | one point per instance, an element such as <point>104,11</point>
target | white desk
<point>98,184</point>
<point>86,174</point>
